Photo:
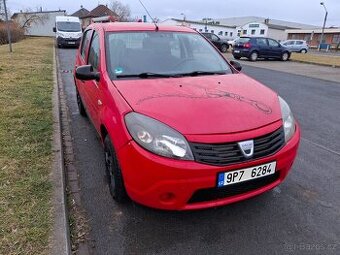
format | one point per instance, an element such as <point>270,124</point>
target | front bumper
<point>169,184</point>
<point>68,41</point>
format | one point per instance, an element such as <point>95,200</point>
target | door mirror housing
<point>87,73</point>
<point>236,65</point>
<point>54,29</point>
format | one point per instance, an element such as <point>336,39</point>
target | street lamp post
<point>324,23</point>
<point>8,27</point>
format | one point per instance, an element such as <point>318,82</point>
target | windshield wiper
<point>147,75</point>
<point>197,73</point>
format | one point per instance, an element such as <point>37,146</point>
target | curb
<point>60,240</point>
<point>316,64</point>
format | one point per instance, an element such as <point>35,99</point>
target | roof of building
<point>81,12</point>
<point>273,23</point>
<point>38,12</point>
<point>203,23</point>
<point>315,31</point>
<point>99,11</point>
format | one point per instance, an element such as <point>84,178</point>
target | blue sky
<point>304,11</point>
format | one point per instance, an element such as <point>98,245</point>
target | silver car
<point>296,45</point>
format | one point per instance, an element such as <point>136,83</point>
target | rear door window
<point>261,42</point>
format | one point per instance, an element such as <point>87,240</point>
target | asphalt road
<point>301,216</point>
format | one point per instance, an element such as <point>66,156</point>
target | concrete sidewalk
<point>308,70</point>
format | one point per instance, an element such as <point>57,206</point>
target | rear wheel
<point>81,107</point>
<point>224,48</point>
<point>285,56</point>
<point>253,56</point>
<point>113,172</point>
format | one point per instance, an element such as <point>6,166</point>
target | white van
<point>68,31</point>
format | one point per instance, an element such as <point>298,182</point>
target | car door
<point>81,60</point>
<point>93,87</point>
<point>216,40</point>
<point>262,46</point>
<point>275,49</point>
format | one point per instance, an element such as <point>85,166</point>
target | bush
<point>17,33</point>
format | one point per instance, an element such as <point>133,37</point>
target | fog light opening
<point>168,197</point>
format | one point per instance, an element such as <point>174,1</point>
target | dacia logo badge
<point>247,148</point>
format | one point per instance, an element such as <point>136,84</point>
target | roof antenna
<point>153,20</point>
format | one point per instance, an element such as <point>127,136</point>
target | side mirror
<point>54,30</point>
<point>236,65</point>
<point>87,73</point>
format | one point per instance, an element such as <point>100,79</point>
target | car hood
<point>218,104</point>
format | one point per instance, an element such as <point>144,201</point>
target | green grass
<point>26,85</point>
<point>317,59</point>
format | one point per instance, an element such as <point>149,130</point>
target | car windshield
<point>161,54</point>
<point>66,26</point>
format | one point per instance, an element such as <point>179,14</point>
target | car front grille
<point>230,153</point>
<point>210,194</point>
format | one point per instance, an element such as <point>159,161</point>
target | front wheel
<point>303,51</point>
<point>284,56</point>
<point>224,48</point>
<point>114,174</point>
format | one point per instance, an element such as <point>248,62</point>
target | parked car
<point>296,46</point>
<point>220,43</point>
<point>259,47</point>
<point>181,127</point>
<point>231,43</point>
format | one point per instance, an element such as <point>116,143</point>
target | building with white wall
<point>38,23</point>
<point>223,31</point>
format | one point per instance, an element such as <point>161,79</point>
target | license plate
<point>71,42</point>
<point>246,174</point>
<point>236,51</point>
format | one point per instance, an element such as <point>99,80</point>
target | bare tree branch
<point>123,11</point>
<point>29,18</point>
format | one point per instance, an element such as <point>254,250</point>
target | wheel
<point>81,107</point>
<point>285,56</point>
<point>253,56</point>
<point>224,48</point>
<point>303,51</point>
<point>237,57</point>
<point>113,172</point>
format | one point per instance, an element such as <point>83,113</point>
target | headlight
<point>157,137</point>
<point>60,35</point>
<point>288,119</point>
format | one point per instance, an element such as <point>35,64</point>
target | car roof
<point>138,26</point>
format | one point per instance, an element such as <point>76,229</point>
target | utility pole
<point>324,23</point>
<point>8,28</point>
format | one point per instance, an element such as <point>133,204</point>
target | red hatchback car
<point>181,127</point>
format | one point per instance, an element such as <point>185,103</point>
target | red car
<point>181,127</point>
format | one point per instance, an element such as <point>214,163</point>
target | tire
<point>253,56</point>
<point>303,51</point>
<point>224,48</point>
<point>285,56</point>
<point>236,57</point>
<point>113,173</point>
<point>81,107</point>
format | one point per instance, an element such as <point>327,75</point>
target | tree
<point>123,11</point>
<point>29,18</point>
